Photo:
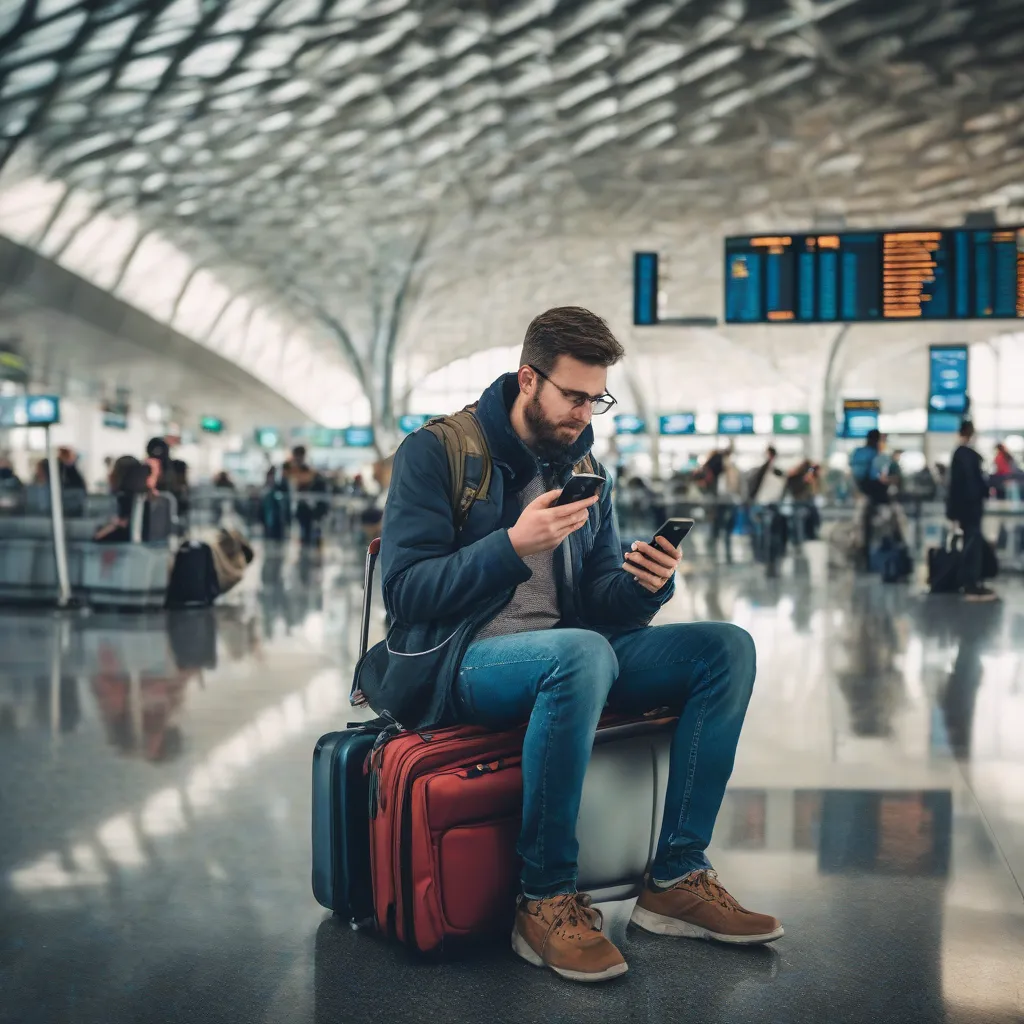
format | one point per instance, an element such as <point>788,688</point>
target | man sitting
<point>527,611</point>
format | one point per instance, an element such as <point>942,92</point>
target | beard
<point>545,441</point>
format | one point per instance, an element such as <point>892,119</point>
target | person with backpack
<point>869,468</point>
<point>506,607</point>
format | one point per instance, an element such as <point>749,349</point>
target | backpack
<point>469,460</point>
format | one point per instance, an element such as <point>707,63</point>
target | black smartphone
<point>674,531</point>
<point>579,488</point>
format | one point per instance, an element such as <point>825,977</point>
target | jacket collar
<point>504,443</point>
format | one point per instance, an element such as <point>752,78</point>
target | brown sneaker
<point>564,933</point>
<point>699,907</point>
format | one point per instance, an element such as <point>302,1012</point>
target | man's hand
<point>653,567</point>
<point>542,528</point>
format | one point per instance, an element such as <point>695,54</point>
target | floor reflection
<point>154,778</point>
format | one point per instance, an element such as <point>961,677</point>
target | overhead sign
<point>412,421</point>
<point>677,423</point>
<point>860,416</point>
<point>358,437</point>
<point>627,423</point>
<point>735,423</point>
<point>947,378</point>
<point>944,422</point>
<point>29,410</point>
<point>919,274</point>
<point>211,425</point>
<point>645,288</point>
<point>791,423</point>
<point>268,437</point>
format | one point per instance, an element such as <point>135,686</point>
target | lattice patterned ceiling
<point>472,161</point>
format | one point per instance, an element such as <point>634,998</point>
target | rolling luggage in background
<point>341,798</point>
<point>193,582</point>
<point>944,566</point>
<point>891,560</point>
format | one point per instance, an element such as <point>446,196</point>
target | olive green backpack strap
<point>469,460</point>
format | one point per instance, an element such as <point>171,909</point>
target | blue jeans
<point>561,679</point>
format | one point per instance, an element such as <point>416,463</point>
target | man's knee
<point>584,664</point>
<point>733,656</point>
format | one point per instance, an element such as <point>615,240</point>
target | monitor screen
<point>860,416</point>
<point>645,288</point>
<point>410,422</point>
<point>359,437</point>
<point>627,423</point>
<point>920,274</point>
<point>791,423</point>
<point>735,423</point>
<point>944,422</point>
<point>268,437</point>
<point>29,410</point>
<point>947,379</point>
<point>677,423</point>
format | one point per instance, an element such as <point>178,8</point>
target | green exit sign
<point>792,423</point>
<point>211,425</point>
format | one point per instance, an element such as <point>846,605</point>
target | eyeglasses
<point>598,403</point>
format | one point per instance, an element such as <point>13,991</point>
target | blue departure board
<point>851,277</point>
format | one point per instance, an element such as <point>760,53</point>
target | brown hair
<point>569,331</point>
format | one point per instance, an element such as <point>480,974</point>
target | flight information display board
<point>926,274</point>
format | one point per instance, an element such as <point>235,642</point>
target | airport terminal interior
<point>250,247</point>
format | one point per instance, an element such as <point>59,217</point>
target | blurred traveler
<point>730,492</point>
<point>8,478</point>
<point>767,482</point>
<point>307,482</point>
<point>1004,461</point>
<point>965,505</point>
<point>511,621</point>
<point>869,467</point>
<point>128,479</point>
<point>70,477</point>
<point>223,481</point>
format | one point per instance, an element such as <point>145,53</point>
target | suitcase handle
<point>371,560</point>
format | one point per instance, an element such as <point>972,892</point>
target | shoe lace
<point>708,883</point>
<point>575,910</point>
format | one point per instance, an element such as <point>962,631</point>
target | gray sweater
<point>535,602</point>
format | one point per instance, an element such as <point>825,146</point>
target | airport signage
<point>358,437</point>
<point>627,423</point>
<point>645,289</point>
<point>730,423</point>
<point>677,423</point>
<point>29,411</point>
<point>211,425</point>
<point>268,438</point>
<point>860,416</point>
<point>412,421</point>
<point>791,423</point>
<point>947,379</point>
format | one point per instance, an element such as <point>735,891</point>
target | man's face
<point>555,419</point>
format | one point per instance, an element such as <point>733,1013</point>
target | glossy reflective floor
<point>154,800</point>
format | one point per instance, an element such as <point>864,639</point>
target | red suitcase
<point>445,810</point>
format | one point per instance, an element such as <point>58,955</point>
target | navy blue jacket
<point>441,586</point>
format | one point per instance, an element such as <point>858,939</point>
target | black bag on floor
<point>989,561</point>
<point>896,565</point>
<point>944,566</point>
<point>193,578</point>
